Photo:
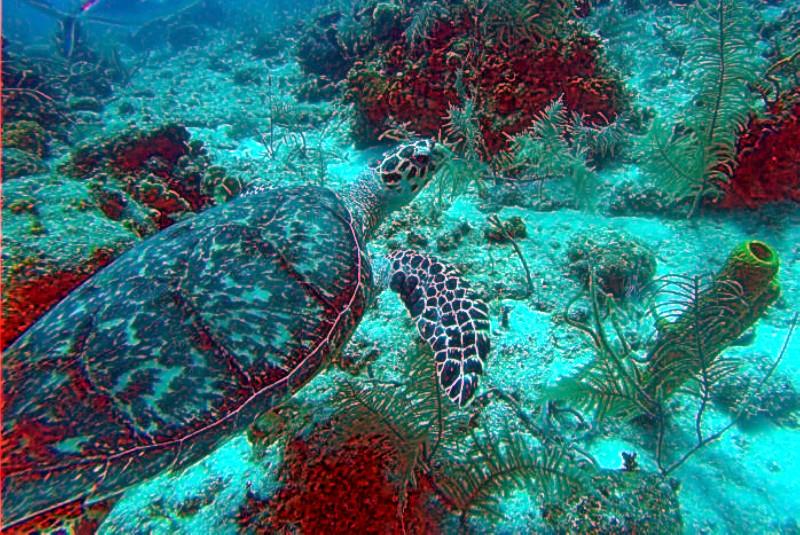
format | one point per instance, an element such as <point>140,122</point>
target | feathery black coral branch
<point>692,163</point>
<point>495,465</point>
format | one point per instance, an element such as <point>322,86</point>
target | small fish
<point>130,13</point>
<point>69,28</point>
<point>89,5</point>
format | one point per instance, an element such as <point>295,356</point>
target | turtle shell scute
<point>179,343</point>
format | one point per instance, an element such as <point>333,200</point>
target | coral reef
<point>319,50</point>
<point>31,92</point>
<point>397,460</point>
<point>622,501</point>
<point>620,263</point>
<point>629,197</point>
<point>531,114</point>
<point>158,172</point>
<point>17,163</point>
<point>316,89</point>
<point>766,167</point>
<point>54,238</point>
<point>509,75</point>
<point>335,482</point>
<point>41,91</point>
<point>334,39</point>
<point>25,135</point>
<point>25,144</point>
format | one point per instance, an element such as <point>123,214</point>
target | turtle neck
<point>366,200</point>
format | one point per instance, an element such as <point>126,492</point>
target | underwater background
<point>617,180</point>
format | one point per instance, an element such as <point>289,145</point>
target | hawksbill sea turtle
<point>185,339</point>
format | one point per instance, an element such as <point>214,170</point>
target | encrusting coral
<point>338,483</point>
<point>766,166</point>
<point>620,264</point>
<point>510,70</point>
<point>625,501</point>
<point>139,182</point>
<point>161,171</point>
<point>25,135</point>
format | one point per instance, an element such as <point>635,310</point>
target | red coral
<point>160,169</point>
<point>342,487</point>
<point>111,203</point>
<point>129,151</point>
<point>767,164</point>
<point>509,83</point>
<point>28,296</point>
<point>168,144</point>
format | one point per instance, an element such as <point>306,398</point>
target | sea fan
<point>508,20</point>
<point>461,164</point>
<point>407,417</point>
<point>602,142</point>
<point>675,159</point>
<point>463,129</point>
<point>722,56</point>
<point>456,173</point>
<point>542,150</point>
<point>414,413</point>
<point>605,388</point>
<point>611,385</point>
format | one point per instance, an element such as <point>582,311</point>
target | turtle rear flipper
<point>449,317</point>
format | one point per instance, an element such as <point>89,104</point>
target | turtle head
<point>405,170</point>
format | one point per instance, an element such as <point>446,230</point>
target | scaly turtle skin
<point>185,339</point>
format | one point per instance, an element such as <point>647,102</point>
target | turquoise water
<point>202,332</point>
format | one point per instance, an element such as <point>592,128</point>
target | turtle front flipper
<point>449,317</point>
